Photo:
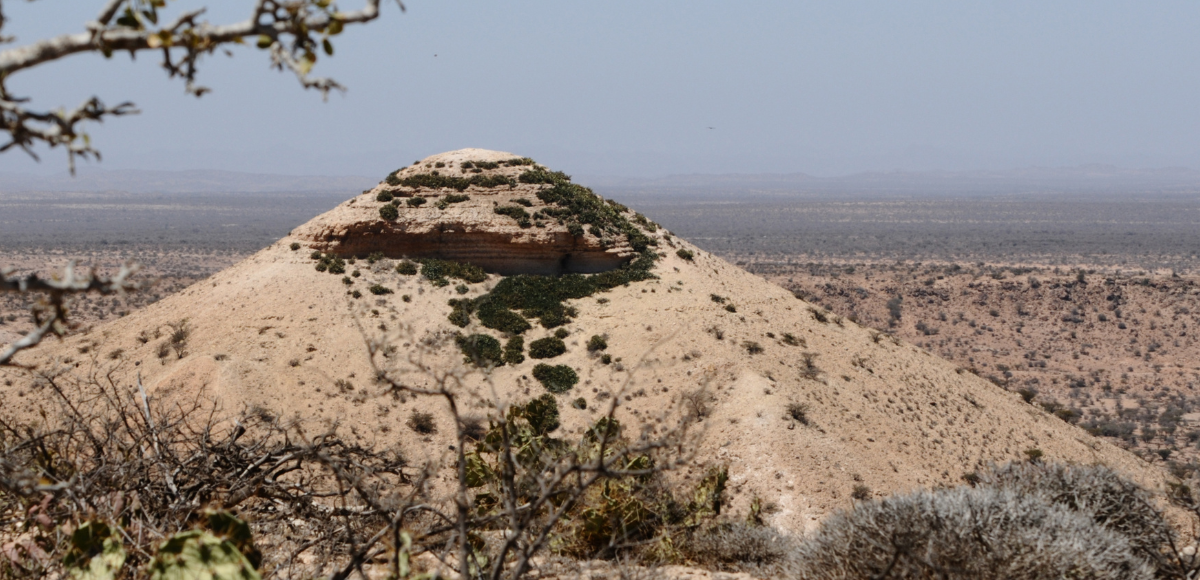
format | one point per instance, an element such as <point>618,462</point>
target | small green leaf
<point>264,41</point>
<point>334,28</point>
<point>328,46</point>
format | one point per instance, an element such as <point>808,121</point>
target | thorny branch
<point>291,31</point>
<point>116,454</point>
<point>51,316</point>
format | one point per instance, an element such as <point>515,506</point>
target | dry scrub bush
<point>978,533</point>
<point>738,546</point>
<point>1096,491</point>
<point>108,455</point>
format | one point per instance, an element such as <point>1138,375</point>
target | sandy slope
<point>273,332</point>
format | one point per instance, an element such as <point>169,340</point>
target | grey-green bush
<point>733,545</point>
<point>1094,491</point>
<point>968,532</point>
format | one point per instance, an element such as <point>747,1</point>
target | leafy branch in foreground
<point>291,31</point>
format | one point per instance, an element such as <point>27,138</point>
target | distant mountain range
<point>1097,179</point>
<point>1105,179</point>
<point>181,182</point>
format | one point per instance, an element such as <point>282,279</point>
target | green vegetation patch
<point>407,268</point>
<point>389,212</point>
<point>557,379</point>
<point>515,299</point>
<point>513,211</point>
<point>451,199</point>
<point>596,343</point>
<point>436,180</point>
<point>415,201</point>
<point>480,349</point>
<point>439,270</point>
<point>513,350</point>
<point>329,263</point>
<point>548,347</point>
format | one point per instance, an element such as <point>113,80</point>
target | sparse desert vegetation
<point>672,361</point>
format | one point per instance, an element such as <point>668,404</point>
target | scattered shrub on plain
<point>685,254</point>
<point>379,289</point>
<point>406,267</point>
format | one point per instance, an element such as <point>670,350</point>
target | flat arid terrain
<point>789,359</point>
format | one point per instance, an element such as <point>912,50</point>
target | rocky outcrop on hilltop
<point>496,210</point>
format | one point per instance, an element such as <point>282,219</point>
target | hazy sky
<point>630,88</point>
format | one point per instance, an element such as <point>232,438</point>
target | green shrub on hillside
<point>384,196</point>
<point>453,198</point>
<point>389,212</point>
<point>542,297</point>
<point>406,267</point>
<point>513,350</point>
<point>548,347</point>
<point>557,379</point>
<point>537,176</point>
<point>438,270</point>
<point>379,289</point>
<point>685,254</point>
<point>460,313</point>
<point>480,350</point>
<point>330,263</point>
<point>597,343</point>
<point>415,201</point>
<point>513,211</point>
<point>437,181</point>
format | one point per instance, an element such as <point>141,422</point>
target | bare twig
<point>56,291</point>
<point>292,32</point>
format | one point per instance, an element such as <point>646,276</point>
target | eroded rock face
<point>528,237</point>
